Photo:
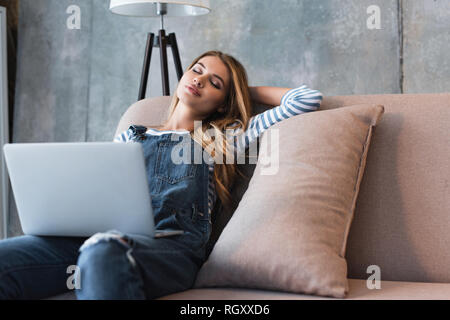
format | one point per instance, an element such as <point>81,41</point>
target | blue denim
<point>116,265</point>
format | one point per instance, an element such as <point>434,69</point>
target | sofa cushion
<point>289,231</point>
<point>358,290</point>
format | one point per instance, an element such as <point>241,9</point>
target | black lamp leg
<point>164,69</point>
<point>146,66</point>
<point>176,55</point>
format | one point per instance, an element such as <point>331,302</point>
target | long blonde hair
<point>238,107</point>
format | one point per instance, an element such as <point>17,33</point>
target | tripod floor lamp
<point>147,8</point>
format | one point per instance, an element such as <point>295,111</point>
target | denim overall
<point>114,265</point>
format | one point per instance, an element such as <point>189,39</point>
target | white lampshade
<point>147,8</point>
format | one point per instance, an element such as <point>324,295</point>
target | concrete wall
<point>74,85</point>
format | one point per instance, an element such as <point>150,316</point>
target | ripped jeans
<point>109,265</point>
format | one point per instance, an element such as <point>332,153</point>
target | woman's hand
<point>268,95</point>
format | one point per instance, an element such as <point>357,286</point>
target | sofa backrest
<point>402,216</point>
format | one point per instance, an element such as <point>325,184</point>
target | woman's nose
<point>197,82</point>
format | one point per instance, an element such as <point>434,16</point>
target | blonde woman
<point>212,98</point>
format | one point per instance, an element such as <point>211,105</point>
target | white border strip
<point>4,131</point>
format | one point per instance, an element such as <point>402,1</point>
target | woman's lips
<point>193,90</point>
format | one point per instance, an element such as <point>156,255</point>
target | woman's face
<point>211,79</point>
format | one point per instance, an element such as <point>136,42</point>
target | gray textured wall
<point>74,85</point>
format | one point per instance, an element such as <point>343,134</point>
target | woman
<point>214,93</point>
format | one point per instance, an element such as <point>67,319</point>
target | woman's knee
<point>103,252</point>
<point>107,269</point>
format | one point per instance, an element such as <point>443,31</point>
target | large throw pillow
<point>290,229</point>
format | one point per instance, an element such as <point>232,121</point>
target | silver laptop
<point>78,189</point>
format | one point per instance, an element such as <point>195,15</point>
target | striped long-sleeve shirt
<point>294,102</point>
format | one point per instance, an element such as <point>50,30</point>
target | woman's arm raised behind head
<point>270,96</point>
<point>292,103</point>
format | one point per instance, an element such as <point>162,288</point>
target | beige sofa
<point>402,217</point>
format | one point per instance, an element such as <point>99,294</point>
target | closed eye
<point>214,85</point>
